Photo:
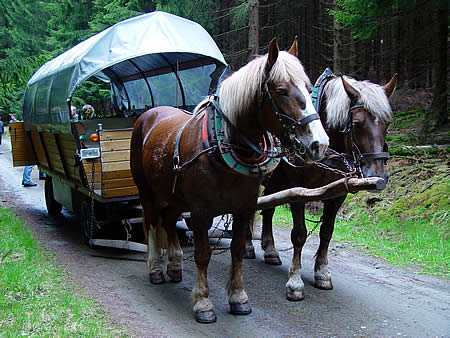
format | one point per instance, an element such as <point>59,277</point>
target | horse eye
<point>357,124</point>
<point>282,92</point>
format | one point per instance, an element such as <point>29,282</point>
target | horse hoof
<point>205,317</point>
<point>294,295</point>
<point>175,275</point>
<point>156,278</point>
<point>323,284</point>
<point>240,308</point>
<point>272,260</point>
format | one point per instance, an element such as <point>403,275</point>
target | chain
<point>308,234</point>
<point>227,220</point>
<point>128,229</point>
<point>92,218</point>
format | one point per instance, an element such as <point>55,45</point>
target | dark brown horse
<point>356,115</point>
<point>175,173</point>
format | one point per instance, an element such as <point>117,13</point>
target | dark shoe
<point>32,184</point>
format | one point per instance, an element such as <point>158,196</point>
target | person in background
<point>2,130</point>
<point>73,114</point>
<point>89,112</point>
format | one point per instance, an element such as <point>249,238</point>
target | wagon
<point>149,60</point>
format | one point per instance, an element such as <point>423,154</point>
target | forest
<point>371,39</point>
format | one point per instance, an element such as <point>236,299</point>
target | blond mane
<point>373,98</point>
<point>239,91</point>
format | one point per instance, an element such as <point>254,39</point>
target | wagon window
<point>196,82</point>
<point>165,90</point>
<point>138,93</point>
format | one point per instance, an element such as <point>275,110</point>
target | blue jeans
<point>27,174</point>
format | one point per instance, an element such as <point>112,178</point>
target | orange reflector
<point>94,137</point>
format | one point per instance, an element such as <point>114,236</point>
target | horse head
<point>287,106</point>
<point>279,101</point>
<point>369,115</point>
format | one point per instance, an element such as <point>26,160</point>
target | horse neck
<point>248,125</point>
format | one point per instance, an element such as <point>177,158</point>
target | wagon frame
<point>150,60</point>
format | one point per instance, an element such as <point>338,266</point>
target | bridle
<point>352,147</point>
<point>288,124</point>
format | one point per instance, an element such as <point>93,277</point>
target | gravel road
<point>370,297</point>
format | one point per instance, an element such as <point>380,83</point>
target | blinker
<point>94,137</point>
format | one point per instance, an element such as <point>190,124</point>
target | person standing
<point>2,130</point>
<point>26,177</point>
<point>73,114</point>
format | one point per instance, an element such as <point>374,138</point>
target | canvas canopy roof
<point>132,50</point>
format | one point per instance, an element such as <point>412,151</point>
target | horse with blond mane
<point>356,115</point>
<point>213,162</point>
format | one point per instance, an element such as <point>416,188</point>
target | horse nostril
<point>315,147</point>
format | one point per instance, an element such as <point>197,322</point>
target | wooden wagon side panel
<point>54,157</point>
<point>39,149</point>
<point>22,151</point>
<point>116,174</point>
<point>67,149</point>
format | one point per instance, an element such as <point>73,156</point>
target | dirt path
<point>370,298</point>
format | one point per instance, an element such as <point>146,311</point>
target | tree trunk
<point>253,30</point>
<point>338,45</point>
<point>439,104</point>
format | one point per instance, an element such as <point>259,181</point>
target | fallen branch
<point>329,191</point>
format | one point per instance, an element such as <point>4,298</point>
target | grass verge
<point>407,224</point>
<point>35,296</point>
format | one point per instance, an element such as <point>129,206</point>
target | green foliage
<point>365,18</point>
<point>201,11</point>
<point>35,296</point>
<point>240,14</point>
<point>110,12</point>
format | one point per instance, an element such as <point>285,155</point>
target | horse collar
<point>319,86</point>
<point>214,134</point>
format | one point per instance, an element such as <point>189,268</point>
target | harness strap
<point>285,118</point>
<point>374,156</point>
<point>176,153</point>
<point>236,129</point>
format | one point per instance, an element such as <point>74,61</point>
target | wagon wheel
<point>88,223</point>
<point>53,207</point>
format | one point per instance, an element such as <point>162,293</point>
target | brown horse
<point>356,115</point>
<point>174,172</point>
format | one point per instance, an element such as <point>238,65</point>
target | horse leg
<point>203,307</point>
<point>238,298</point>
<point>174,251</point>
<point>249,248</point>
<point>152,229</point>
<point>322,278</point>
<point>271,255</point>
<point>295,289</point>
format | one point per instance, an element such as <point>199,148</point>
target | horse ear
<point>294,50</point>
<point>273,54</point>
<point>389,88</point>
<point>352,93</point>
